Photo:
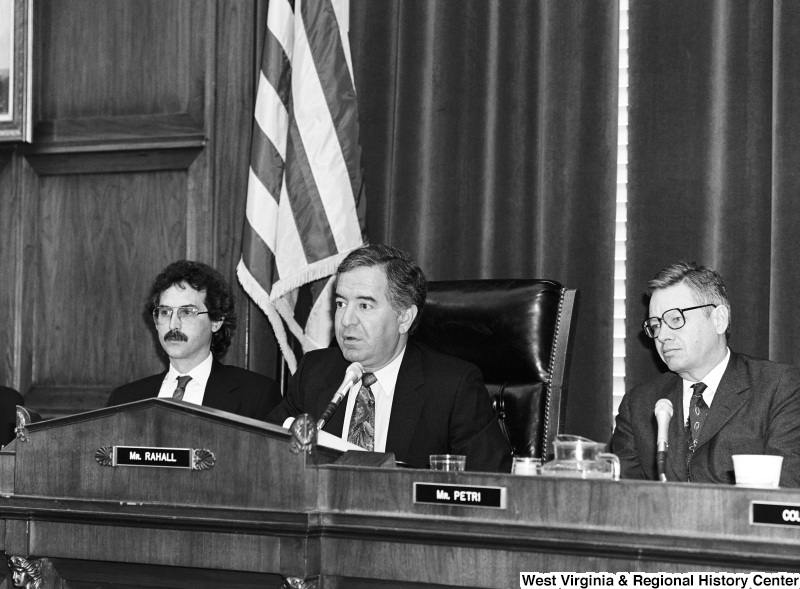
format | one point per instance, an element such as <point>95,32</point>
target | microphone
<point>351,377</point>
<point>663,414</point>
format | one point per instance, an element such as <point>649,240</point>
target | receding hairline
<point>381,266</point>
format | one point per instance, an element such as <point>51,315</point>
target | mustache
<point>175,335</point>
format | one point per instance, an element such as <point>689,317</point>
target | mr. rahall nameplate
<point>164,457</point>
<point>191,458</point>
<point>464,495</point>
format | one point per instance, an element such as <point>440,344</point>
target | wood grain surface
<point>264,510</point>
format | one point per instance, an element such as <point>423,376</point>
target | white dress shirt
<point>383,391</point>
<point>711,380</point>
<point>195,388</point>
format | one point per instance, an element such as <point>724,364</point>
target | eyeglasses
<point>163,314</point>
<point>674,319</point>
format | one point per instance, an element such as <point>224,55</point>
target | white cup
<point>757,470</point>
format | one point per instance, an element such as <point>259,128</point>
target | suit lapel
<point>678,446</point>
<point>727,400</point>
<point>157,382</point>
<point>335,425</point>
<point>407,403</point>
<point>220,384</point>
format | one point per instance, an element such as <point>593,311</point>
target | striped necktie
<point>181,388</point>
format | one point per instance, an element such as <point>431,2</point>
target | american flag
<point>305,194</point>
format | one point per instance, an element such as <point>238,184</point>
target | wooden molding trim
<point>115,144</point>
<point>115,133</point>
<point>105,162</point>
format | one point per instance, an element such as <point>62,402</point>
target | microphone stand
<point>661,464</point>
<point>333,405</point>
<point>663,413</point>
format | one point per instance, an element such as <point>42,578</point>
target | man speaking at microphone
<point>418,402</point>
<point>724,403</point>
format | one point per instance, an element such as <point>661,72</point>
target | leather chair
<point>9,399</point>
<point>520,334</point>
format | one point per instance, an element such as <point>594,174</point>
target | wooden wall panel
<point>9,257</point>
<point>143,115</point>
<point>101,241</point>
<point>121,76</point>
<point>125,57</point>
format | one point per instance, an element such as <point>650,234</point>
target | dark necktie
<point>698,410</point>
<point>181,388</point>
<point>362,423</point>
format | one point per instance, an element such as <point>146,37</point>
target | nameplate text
<point>157,457</point>
<point>462,495</point>
<point>766,513</point>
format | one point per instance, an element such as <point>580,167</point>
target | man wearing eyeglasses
<point>193,312</point>
<point>724,403</point>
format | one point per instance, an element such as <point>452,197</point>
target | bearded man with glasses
<point>724,403</point>
<point>193,313</point>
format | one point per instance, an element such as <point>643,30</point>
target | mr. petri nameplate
<point>463,495</point>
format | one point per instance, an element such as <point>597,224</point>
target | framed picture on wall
<point>16,55</point>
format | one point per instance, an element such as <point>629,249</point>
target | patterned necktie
<point>698,410</point>
<point>362,424</point>
<point>181,388</point>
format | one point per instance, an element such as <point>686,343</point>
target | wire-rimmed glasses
<point>163,314</point>
<point>674,319</point>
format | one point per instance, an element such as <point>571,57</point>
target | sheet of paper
<point>328,440</point>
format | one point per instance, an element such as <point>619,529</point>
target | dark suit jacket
<point>756,410</point>
<point>440,406</point>
<point>9,399</point>
<point>229,388</point>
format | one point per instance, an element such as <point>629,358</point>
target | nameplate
<point>191,458</point>
<point>766,513</point>
<point>158,457</point>
<point>463,495</point>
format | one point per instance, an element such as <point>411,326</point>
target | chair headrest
<point>505,327</point>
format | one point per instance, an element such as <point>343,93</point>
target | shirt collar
<point>711,380</point>
<point>387,376</point>
<point>199,373</point>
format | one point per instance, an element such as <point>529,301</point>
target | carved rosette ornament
<point>297,583</point>
<point>25,574</point>
<point>304,434</point>
<point>105,456</point>
<point>203,459</point>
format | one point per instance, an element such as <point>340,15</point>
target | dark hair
<point>219,297</point>
<point>407,285</point>
<point>706,283</point>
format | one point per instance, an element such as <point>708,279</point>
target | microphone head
<point>356,369</point>
<point>663,407</point>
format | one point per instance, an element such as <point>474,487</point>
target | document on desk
<point>328,440</point>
